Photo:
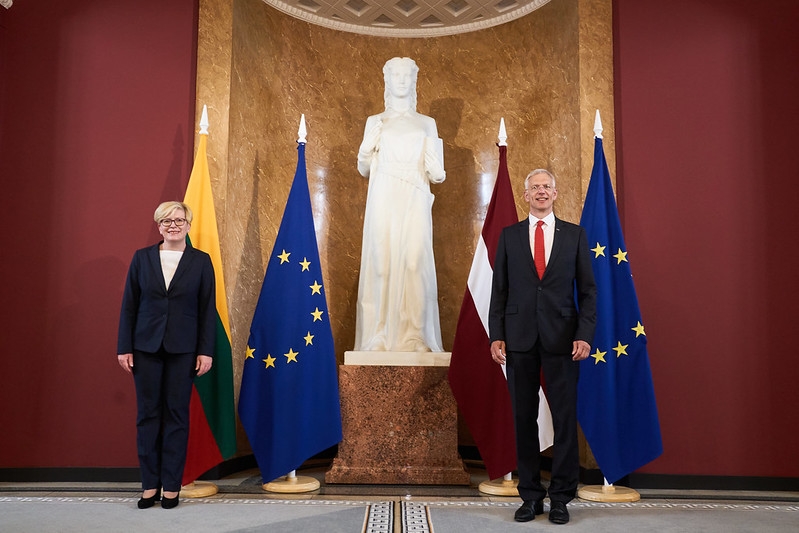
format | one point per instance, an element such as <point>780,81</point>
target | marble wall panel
<point>259,70</point>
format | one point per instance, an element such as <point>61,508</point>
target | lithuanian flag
<point>212,425</point>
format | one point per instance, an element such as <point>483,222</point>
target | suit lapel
<point>154,259</point>
<point>523,235</point>
<point>557,242</point>
<point>183,265</point>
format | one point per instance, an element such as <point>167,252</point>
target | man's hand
<point>498,352</point>
<point>580,350</point>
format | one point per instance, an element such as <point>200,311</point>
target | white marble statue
<point>401,155</point>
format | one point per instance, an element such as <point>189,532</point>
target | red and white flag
<point>477,382</point>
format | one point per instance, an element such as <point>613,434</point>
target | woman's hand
<point>126,362</point>
<point>203,365</point>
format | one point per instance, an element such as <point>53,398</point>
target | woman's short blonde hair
<point>167,208</point>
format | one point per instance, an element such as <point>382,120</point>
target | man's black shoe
<point>528,510</point>
<point>558,514</point>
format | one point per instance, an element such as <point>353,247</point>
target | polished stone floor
<point>248,483</point>
<point>242,505</point>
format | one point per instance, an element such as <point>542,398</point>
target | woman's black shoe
<point>170,503</point>
<point>146,503</point>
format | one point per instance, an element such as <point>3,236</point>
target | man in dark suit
<point>542,317</point>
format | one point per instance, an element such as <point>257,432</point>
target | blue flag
<point>289,401</point>
<point>616,401</point>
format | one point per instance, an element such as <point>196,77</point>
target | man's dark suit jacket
<point>182,319</point>
<point>524,308</point>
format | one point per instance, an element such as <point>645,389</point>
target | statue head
<point>399,75</point>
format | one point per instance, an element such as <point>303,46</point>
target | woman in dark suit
<point>167,331</point>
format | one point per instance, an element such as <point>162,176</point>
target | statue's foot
<point>413,344</point>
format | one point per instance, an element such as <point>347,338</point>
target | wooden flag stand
<point>608,493</point>
<point>291,484</point>
<point>506,486</point>
<point>198,489</point>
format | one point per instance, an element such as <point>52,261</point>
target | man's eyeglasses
<point>534,188</point>
<point>168,222</point>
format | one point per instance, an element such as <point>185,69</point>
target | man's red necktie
<point>538,255</point>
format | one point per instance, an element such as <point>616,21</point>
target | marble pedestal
<point>399,420</point>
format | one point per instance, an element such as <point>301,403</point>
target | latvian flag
<point>477,382</point>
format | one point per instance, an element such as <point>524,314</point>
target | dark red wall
<point>96,128</point>
<point>707,122</point>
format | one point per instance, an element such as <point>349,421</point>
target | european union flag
<point>289,401</point>
<point>616,400</point>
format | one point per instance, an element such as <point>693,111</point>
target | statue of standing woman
<point>401,155</point>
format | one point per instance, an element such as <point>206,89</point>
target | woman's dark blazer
<point>182,319</point>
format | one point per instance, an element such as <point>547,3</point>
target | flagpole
<point>291,483</point>
<point>506,486</point>
<point>607,492</point>
<point>200,489</point>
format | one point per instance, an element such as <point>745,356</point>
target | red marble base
<point>400,427</point>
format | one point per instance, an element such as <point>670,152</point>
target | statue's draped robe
<point>397,292</point>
